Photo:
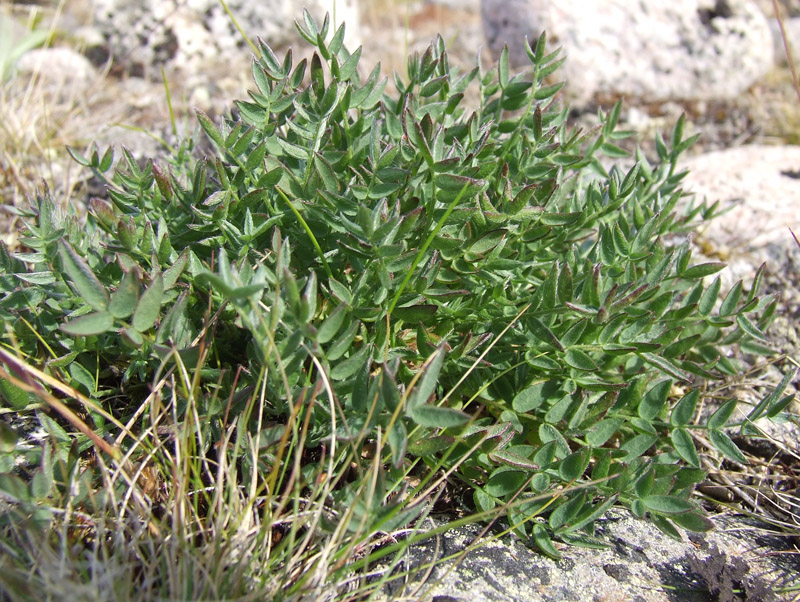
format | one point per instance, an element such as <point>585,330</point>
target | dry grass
<point>41,114</point>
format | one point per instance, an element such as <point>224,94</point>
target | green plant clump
<point>464,291</point>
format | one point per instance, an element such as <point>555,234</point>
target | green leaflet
<point>83,279</point>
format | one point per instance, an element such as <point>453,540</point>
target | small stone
<point>617,571</point>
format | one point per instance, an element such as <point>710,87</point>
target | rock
<point>792,28</point>
<point>760,187</point>
<point>651,50</point>
<point>58,64</point>
<point>641,564</point>
<point>192,36</point>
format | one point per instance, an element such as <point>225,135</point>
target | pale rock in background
<point>792,28</point>
<point>759,186</point>
<point>59,66</point>
<point>194,35</point>
<point>650,50</point>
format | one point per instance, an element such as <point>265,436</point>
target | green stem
<point>239,27</point>
<point>308,231</point>
<point>424,249</point>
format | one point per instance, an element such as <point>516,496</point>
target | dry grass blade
<point>22,378</point>
<point>797,242</point>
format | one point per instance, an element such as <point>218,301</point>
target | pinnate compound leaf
<point>86,283</point>
<point>600,317</point>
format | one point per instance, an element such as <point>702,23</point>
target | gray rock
<point>759,186</point>
<point>192,35</point>
<point>792,28</point>
<point>58,66</point>
<point>652,50</point>
<point>641,564</point>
